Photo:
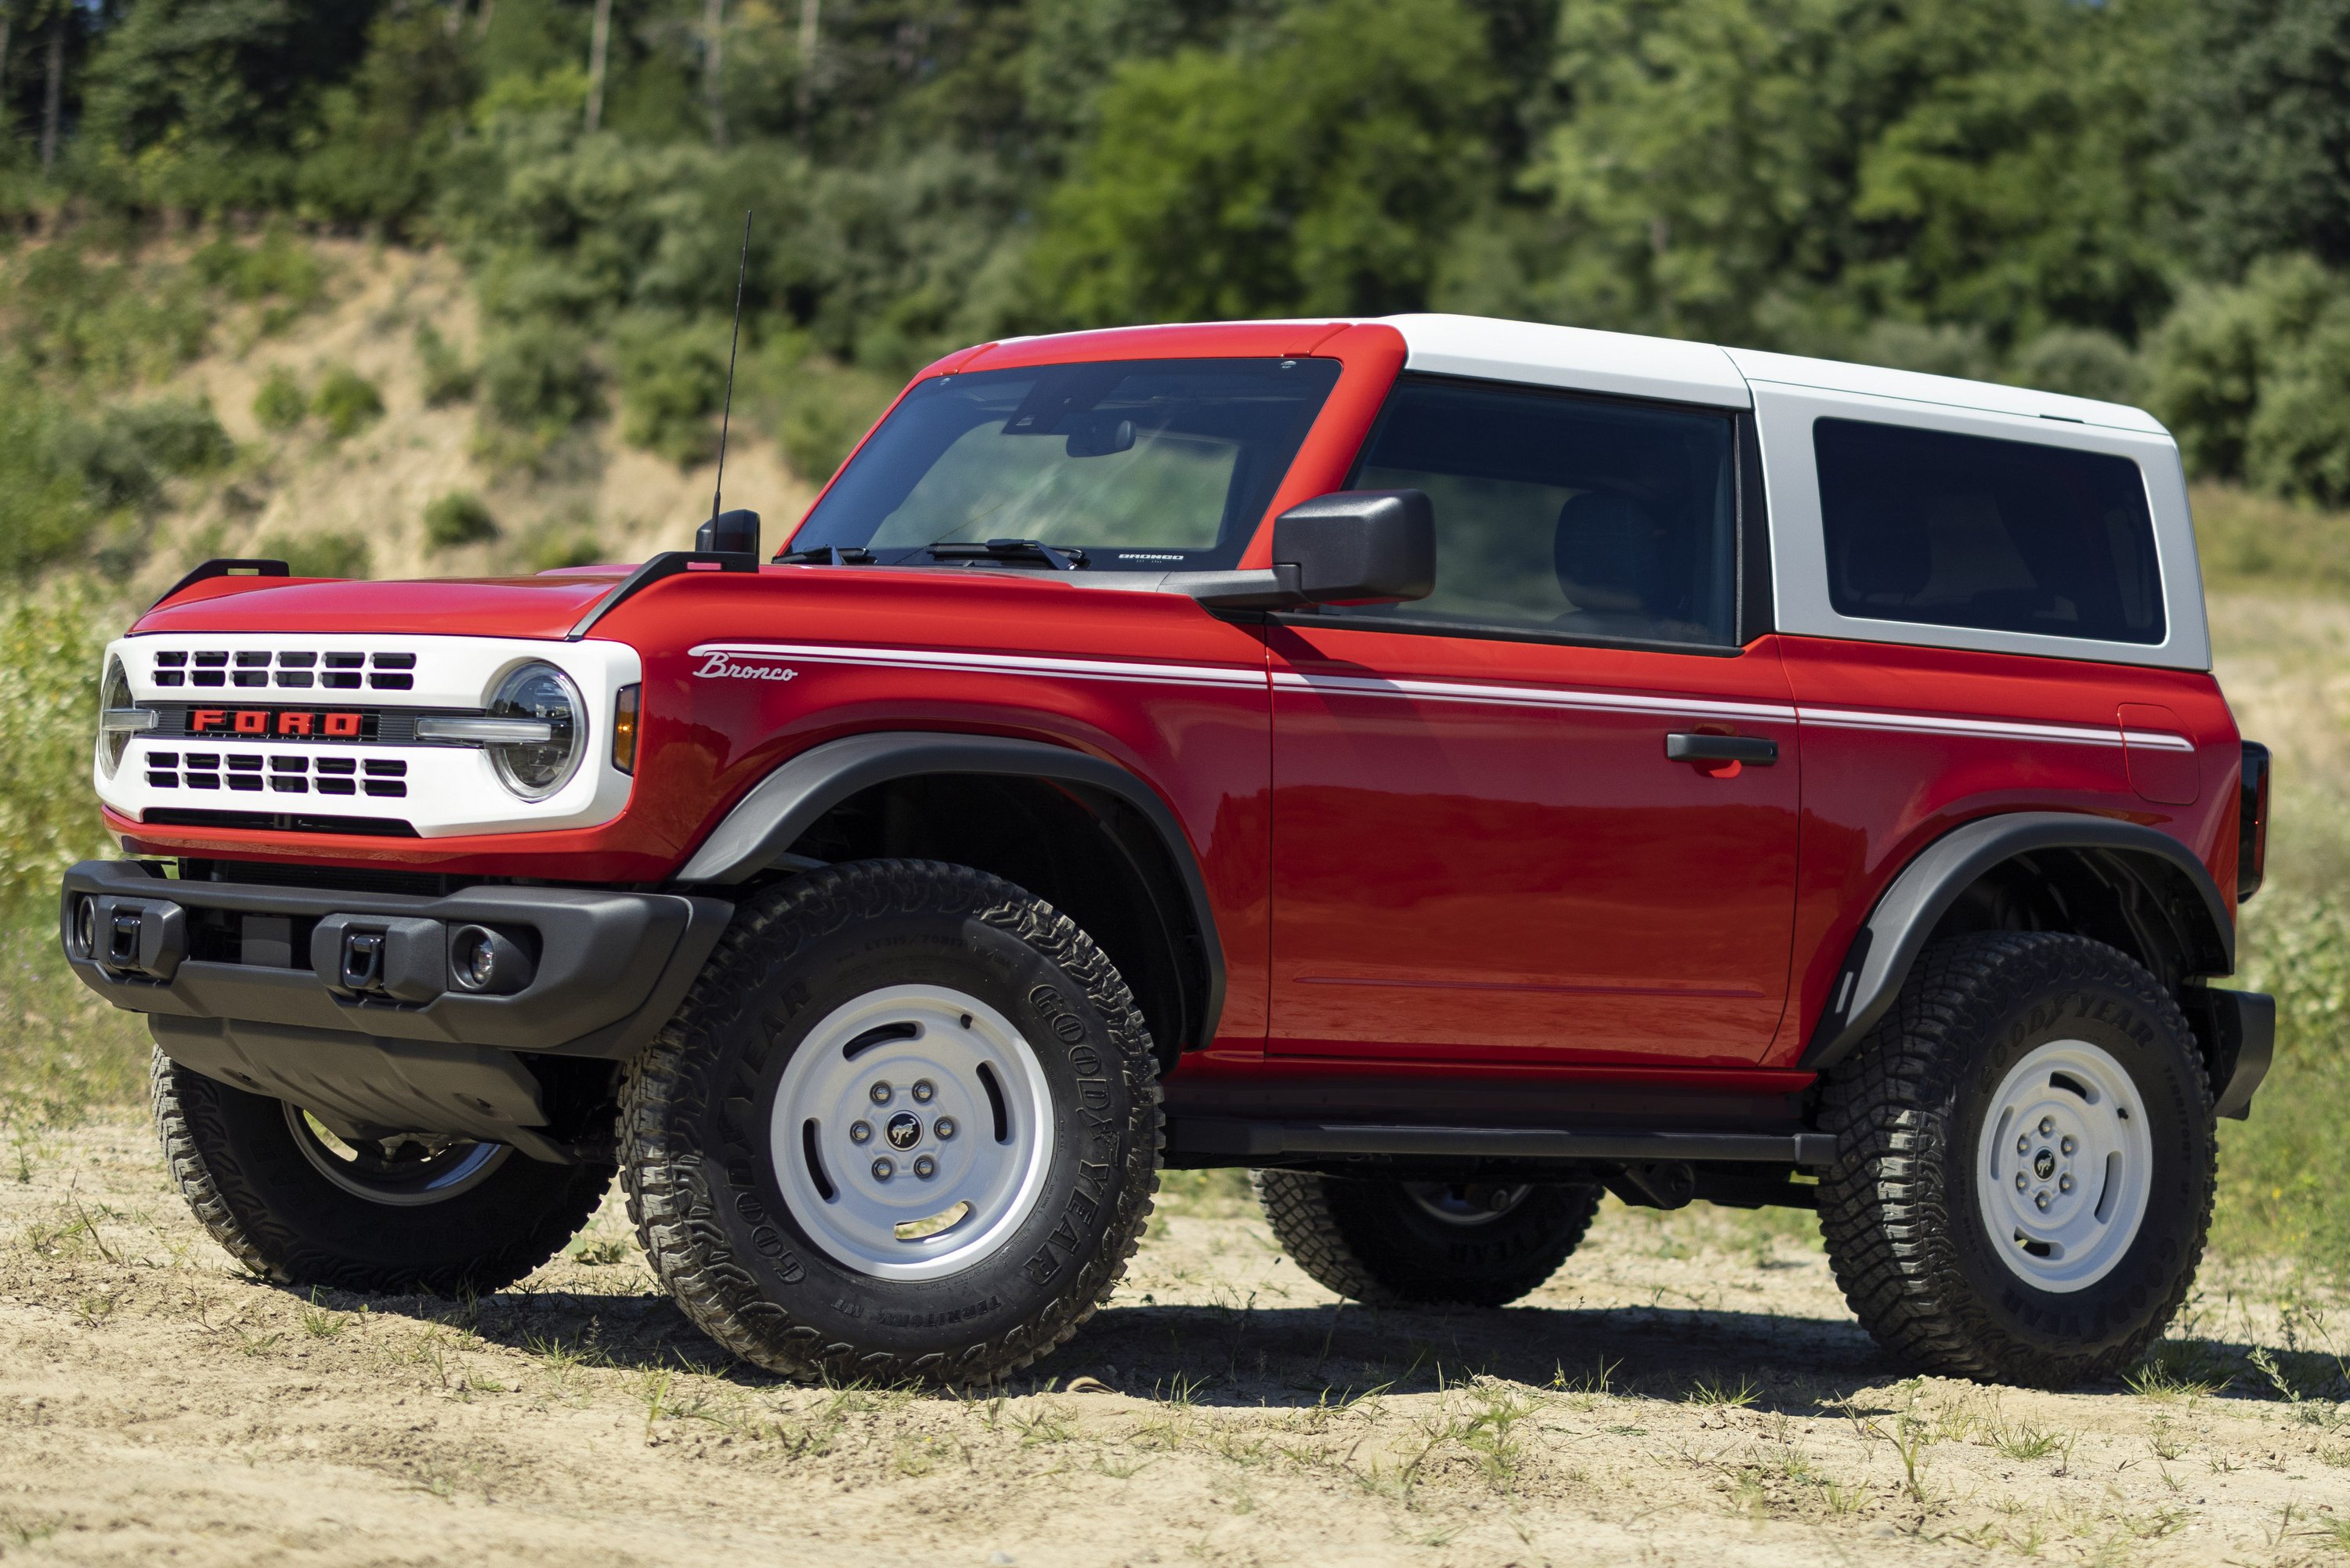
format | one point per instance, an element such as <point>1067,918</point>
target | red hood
<point>461,606</point>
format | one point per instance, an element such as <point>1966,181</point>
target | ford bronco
<point>1452,768</point>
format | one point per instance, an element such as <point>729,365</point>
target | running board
<point>1274,1140</point>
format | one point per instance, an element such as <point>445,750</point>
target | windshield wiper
<point>1061,558</point>
<point>828,555</point>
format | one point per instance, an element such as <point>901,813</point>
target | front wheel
<point>298,1204</point>
<point>906,1125</point>
<point>2026,1162</point>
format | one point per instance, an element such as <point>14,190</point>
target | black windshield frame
<point>1260,409</point>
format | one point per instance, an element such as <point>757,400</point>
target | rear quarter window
<point>2001,535</point>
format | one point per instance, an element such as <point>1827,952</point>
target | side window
<point>1572,515</point>
<point>1999,536</point>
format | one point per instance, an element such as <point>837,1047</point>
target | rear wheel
<point>1388,1242</point>
<point>298,1204</point>
<point>2025,1163</point>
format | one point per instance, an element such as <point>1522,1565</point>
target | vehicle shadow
<point>1290,1357</point>
<point>1283,1356</point>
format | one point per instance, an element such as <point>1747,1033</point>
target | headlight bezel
<point>521,768</point>
<point>113,692</point>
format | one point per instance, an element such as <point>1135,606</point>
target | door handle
<point>1754,750</point>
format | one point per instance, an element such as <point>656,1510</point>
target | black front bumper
<point>352,1005</point>
<point>607,968</point>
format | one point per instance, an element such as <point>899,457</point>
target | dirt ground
<point>1689,1389</point>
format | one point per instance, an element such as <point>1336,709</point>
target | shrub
<point>318,555</point>
<point>458,518</point>
<point>45,512</point>
<point>2298,441</point>
<point>1943,350</point>
<point>281,404</point>
<point>2081,362</point>
<point>560,550</point>
<point>2211,360</point>
<point>122,457</point>
<point>827,410</point>
<point>672,380</point>
<point>348,401</point>
<point>540,378</point>
<point>71,312</point>
<point>447,377</point>
<point>179,435</point>
<point>539,383</point>
<point>50,644</point>
<point>281,267</point>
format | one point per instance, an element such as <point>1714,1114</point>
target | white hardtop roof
<point>1688,372</point>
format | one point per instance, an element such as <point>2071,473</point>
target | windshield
<point>1140,464</point>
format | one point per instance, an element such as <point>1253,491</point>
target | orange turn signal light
<point>624,729</point>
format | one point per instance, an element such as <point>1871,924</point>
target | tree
<point>2264,162</point>
<point>201,102</point>
<point>1321,173</point>
<point>1759,169</point>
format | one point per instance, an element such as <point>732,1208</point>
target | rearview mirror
<point>1354,545</point>
<point>1101,436</point>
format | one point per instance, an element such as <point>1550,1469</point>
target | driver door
<point>1484,849</point>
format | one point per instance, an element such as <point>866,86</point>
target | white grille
<point>288,669</point>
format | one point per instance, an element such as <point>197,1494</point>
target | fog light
<point>489,962</point>
<point>85,926</point>
<point>479,961</point>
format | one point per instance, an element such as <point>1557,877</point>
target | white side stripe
<point>2158,741</point>
<point>1529,696</point>
<point>1934,724</point>
<point>993,663</point>
<point>1439,691</point>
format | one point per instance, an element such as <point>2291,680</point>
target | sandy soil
<point>1690,1389</point>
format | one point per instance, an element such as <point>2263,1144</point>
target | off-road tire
<point>1366,1239</point>
<point>234,1159</point>
<point>1899,1208</point>
<point>696,1159</point>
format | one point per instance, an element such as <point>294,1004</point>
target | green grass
<point>2249,540</point>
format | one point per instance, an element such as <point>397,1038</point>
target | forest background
<point>419,284</point>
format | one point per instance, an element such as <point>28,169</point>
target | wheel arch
<point>1085,835</point>
<point>2139,890</point>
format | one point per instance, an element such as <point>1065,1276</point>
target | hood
<point>542,607</point>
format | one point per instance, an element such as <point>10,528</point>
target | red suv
<point>1452,767</point>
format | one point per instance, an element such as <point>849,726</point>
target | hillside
<point>593,496</point>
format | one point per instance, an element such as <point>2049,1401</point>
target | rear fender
<point>2177,889</point>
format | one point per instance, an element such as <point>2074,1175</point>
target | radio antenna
<point>726,418</point>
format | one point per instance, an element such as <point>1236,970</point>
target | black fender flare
<point>760,830</point>
<point>1897,930</point>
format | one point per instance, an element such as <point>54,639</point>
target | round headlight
<point>113,691</point>
<point>535,770</point>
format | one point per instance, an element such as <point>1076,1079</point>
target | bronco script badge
<point>720,663</point>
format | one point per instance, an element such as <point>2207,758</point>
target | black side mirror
<point>729,534</point>
<point>1358,544</point>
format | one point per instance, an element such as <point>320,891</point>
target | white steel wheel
<point>2064,1166</point>
<point>912,1132</point>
